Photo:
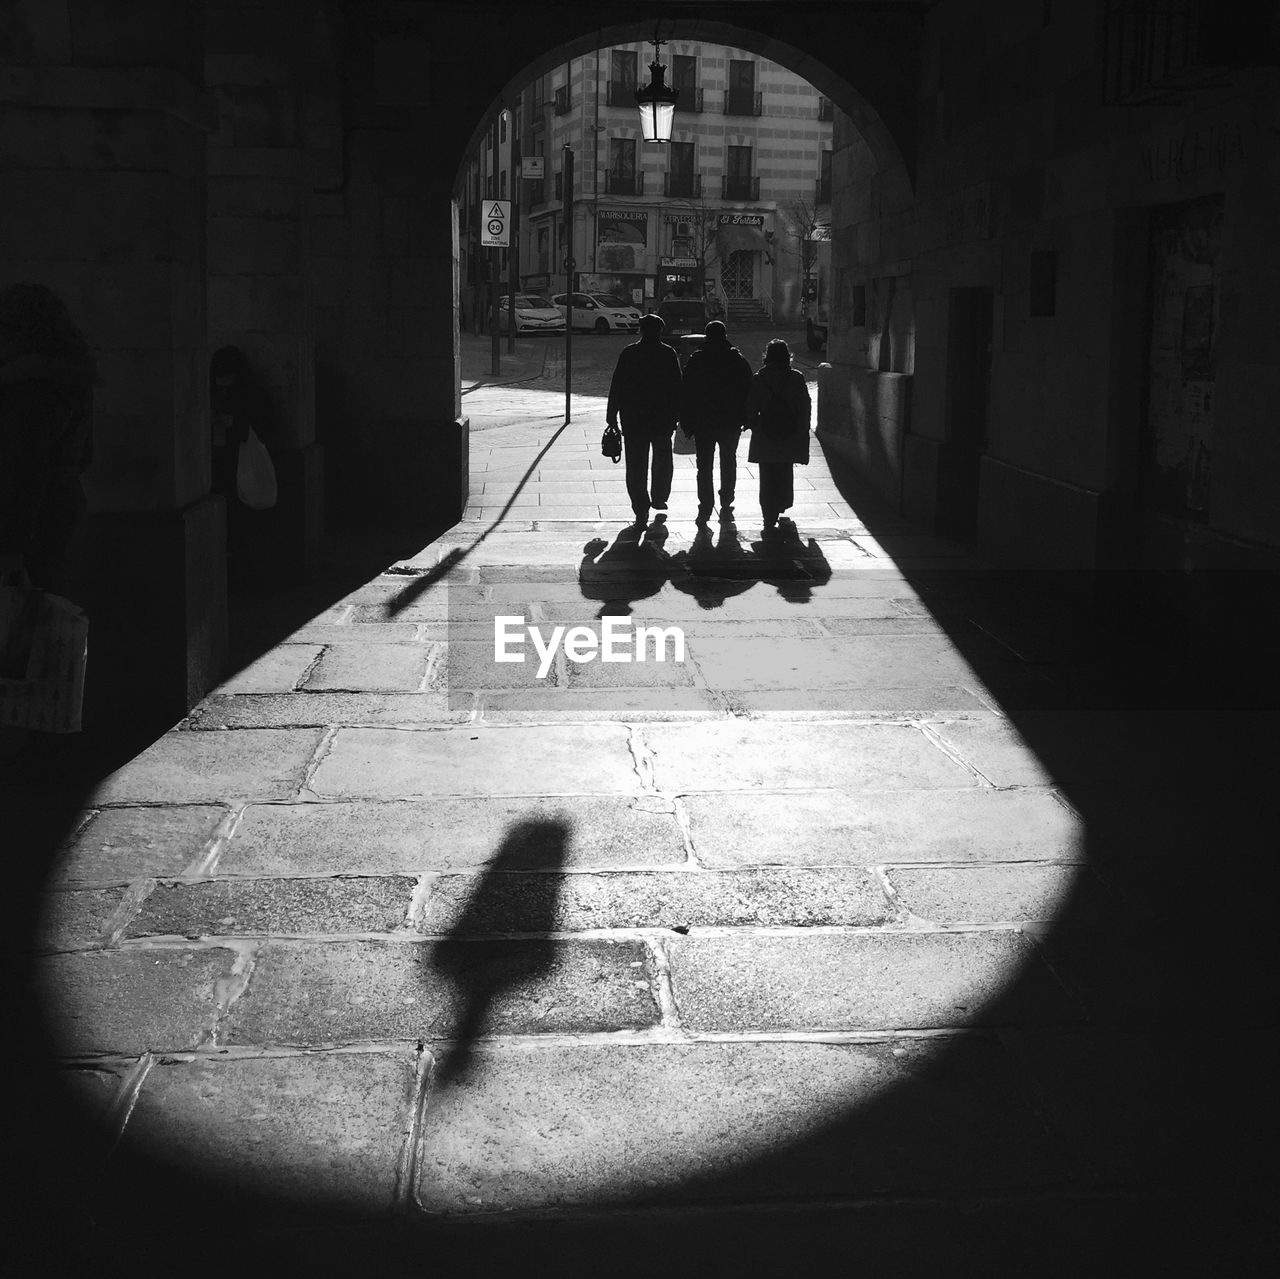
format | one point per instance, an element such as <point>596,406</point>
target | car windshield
<point>532,300</point>
<point>688,312</point>
<point>606,299</point>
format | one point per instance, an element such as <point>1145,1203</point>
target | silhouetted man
<point>713,408</point>
<point>645,394</point>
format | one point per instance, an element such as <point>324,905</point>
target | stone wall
<point>1022,164</point>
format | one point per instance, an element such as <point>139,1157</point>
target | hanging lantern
<point>656,101</point>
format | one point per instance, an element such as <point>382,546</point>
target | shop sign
<point>742,219</point>
<point>693,262</point>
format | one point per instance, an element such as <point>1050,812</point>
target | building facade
<point>727,210</point>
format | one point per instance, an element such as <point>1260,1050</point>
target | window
<point>622,157</point>
<point>684,72</point>
<point>741,97</point>
<point>824,179</point>
<point>738,182</point>
<point>502,185</point>
<point>680,175</point>
<point>502,126</point>
<point>624,68</point>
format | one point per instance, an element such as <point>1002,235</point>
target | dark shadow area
<point>479,972</point>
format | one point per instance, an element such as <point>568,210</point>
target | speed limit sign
<point>496,216</point>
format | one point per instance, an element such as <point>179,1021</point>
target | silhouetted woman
<point>778,410</point>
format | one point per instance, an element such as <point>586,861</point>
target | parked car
<point>534,314</point>
<point>599,313</point>
<point>686,324</point>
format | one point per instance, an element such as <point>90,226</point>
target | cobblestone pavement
<point>880,926</point>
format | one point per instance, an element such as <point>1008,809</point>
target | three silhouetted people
<point>645,395</point>
<point>713,409</point>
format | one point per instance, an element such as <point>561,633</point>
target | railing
<point>735,188</point>
<point>623,183</point>
<point>562,100</point>
<point>690,98</point>
<point>688,185</point>
<point>620,93</point>
<point>742,102</point>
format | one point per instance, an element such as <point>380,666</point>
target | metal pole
<point>513,253</point>
<point>570,277</point>
<point>495,344</point>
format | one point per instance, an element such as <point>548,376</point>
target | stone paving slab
<point>1010,892</point>
<point>942,702</point>
<point>120,844</point>
<point>560,1126</point>
<point>898,661</point>
<point>578,705</point>
<point>677,899</point>
<point>261,907</point>
<point>300,710</point>
<point>400,764</point>
<point>742,755</point>
<point>133,1001</point>
<point>469,665</point>
<point>313,994</point>
<point>352,838</point>
<point>194,768</point>
<point>323,632</point>
<point>311,1129</point>
<point>370,668</point>
<point>842,827</point>
<point>276,671</point>
<point>76,918</point>
<point>862,981</point>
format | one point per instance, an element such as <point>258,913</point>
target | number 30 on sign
<point>495,224</point>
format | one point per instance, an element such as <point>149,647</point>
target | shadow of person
<point>496,937</point>
<point>787,547</point>
<point>714,568</point>
<point>632,568</point>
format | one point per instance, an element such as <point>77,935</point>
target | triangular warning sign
<point>496,212</point>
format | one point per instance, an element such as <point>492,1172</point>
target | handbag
<point>44,646</point>
<point>255,474</point>
<point>683,443</point>
<point>611,443</point>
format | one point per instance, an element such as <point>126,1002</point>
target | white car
<point>534,314</point>
<point>596,312</point>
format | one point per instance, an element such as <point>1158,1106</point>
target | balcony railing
<point>826,109</point>
<point>562,100</point>
<point>736,188</point>
<point>688,185</point>
<point>690,98</point>
<point>623,183</point>
<point>822,191</point>
<point>742,102</point>
<point>620,93</point>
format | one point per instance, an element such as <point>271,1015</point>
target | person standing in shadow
<point>778,412</point>
<point>713,407</point>
<point>645,394</point>
<point>47,375</point>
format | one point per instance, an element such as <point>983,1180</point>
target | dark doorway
<point>968,394</point>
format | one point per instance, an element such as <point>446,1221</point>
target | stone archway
<point>421,84</point>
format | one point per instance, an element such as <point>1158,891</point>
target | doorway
<point>968,394</point>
